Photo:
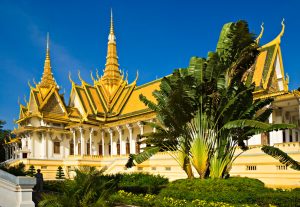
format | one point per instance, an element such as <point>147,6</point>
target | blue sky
<point>153,37</point>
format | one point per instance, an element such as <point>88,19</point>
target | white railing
<point>16,190</point>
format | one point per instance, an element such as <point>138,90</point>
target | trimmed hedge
<point>142,200</point>
<point>142,183</point>
<point>232,190</point>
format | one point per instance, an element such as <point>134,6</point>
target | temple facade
<point>104,120</point>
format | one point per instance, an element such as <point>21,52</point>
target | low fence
<point>16,190</point>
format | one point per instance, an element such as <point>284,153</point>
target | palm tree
<point>89,188</point>
<point>207,110</point>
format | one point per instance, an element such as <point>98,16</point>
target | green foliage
<point>60,173</point>
<point>4,135</point>
<point>31,171</point>
<point>88,189</point>
<point>142,183</point>
<point>281,156</point>
<point>17,170</point>
<point>54,185</point>
<point>148,200</point>
<point>233,191</point>
<point>207,110</point>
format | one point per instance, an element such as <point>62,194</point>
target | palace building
<point>104,120</point>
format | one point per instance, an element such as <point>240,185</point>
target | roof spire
<point>47,78</point>
<point>111,22</point>
<point>112,75</point>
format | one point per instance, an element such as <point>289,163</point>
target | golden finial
<point>137,75</point>
<point>261,33</point>
<point>33,80</point>
<point>92,77</point>
<point>97,74</point>
<point>70,79</point>
<point>29,84</point>
<point>79,76</point>
<point>25,99</point>
<point>282,29</point>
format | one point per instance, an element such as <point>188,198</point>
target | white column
<point>131,141</point>
<point>50,147</point>
<point>75,148</point>
<point>91,136</point>
<point>31,145</point>
<point>112,143</point>
<point>122,143</point>
<point>44,145</point>
<point>82,141</point>
<point>141,126</point>
<point>103,143</point>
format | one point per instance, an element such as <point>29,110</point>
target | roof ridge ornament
<point>260,34</point>
<point>70,78</point>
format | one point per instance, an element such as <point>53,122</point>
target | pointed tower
<point>47,80</point>
<point>112,75</point>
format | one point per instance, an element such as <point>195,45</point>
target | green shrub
<point>54,185</point>
<point>142,183</point>
<point>279,198</point>
<point>31,171</point>
<point>17,170</point>
<point>122,197</point>
<point>231,190</point>
<point>60,173</point>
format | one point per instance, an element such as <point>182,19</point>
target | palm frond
<point>141,157</point>
<point>283,157</point>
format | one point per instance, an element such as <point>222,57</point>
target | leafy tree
<point>60,173</point>
<point>4,135</point>
<point>88,189</point>
<point>207,110</point>
<point>31,171</point>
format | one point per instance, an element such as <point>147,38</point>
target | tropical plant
<point>207,110</point>
<point>87,189</point>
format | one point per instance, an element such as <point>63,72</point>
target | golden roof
<point>268,68</point>
<point>45,100</point>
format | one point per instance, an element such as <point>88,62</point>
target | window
<point>168,168</point>
<point>56,147</point>
<point>153,168</point>
<point>140,169</point>
<point>71,149</point>
<point>127,146</point>
<point>251,167</point>
<point>44,167</point>
<point>118,148</point>
<point>100,149</point>
<point>281,167</point>
<point>109,149</point>
<point>79,148</point>
<point>88,148</point>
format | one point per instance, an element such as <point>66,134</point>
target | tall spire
<point>47,78</point>
<point>112,75</point>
